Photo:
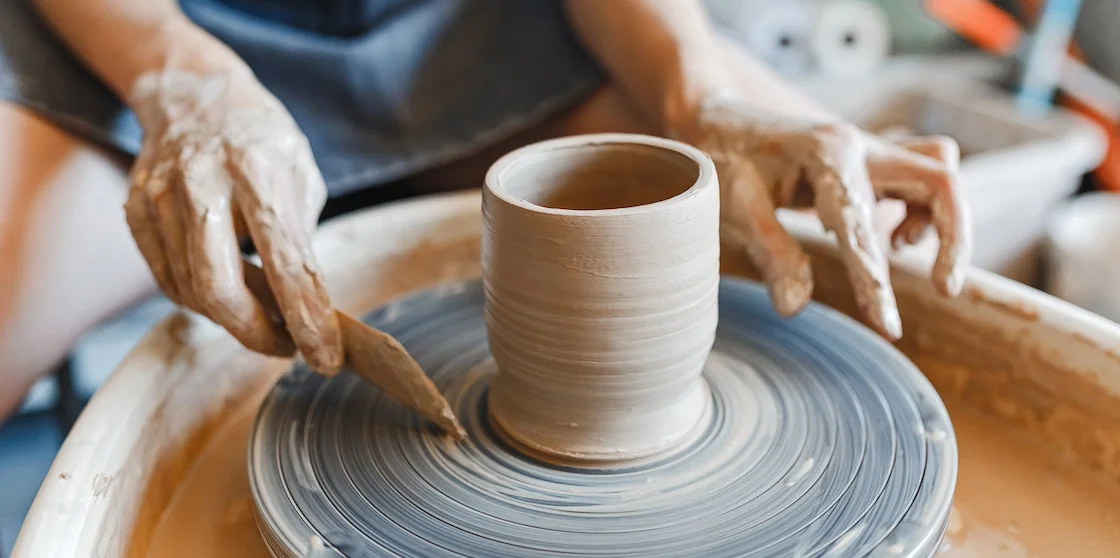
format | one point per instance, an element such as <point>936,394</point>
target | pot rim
<point>705,178</point>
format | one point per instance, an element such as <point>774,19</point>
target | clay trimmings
<point>600,319</point>
<point>824,440</point>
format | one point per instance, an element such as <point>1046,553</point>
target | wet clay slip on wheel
<point>600,260</point>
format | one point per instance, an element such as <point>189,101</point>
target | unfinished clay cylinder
<point>600,263</point>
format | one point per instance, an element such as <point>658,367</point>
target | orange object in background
<point>1108,173</point>
<point>996,31</point>
<point>979,21</point>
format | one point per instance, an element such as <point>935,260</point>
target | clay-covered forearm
<point>669,59</point>
<point>661,52</point>
<point>120,40</point>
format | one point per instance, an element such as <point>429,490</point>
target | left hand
<point>765,162</point>
<point>223,159</point>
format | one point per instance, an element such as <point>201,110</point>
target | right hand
<point>766,160</point>
<point>223,159</point>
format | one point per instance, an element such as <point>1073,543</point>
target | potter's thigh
<point>606,110</point>
<point>67,260</point>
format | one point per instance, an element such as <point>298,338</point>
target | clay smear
<point>1015,498</point>
<point>211,513</point>
<point>601,266</point>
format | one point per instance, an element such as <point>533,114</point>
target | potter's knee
<point>36,154</point>
<point>66,259</point>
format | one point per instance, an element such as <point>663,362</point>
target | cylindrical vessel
<point>1083,242</point>
<point>600,262</point>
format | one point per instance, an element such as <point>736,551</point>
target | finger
<point>918,218</point>
<point>240,229</point>
<point>912,228</point>
<point>887,214</point>
<point>141,221</point>
<point>748,214</point>
<point>315,194</point>
<point>166,209</point>
<point>845,200</point>
<point>278,229</point>
<point>926,181</point>
<point>214,258</point>
<point>941,148</point>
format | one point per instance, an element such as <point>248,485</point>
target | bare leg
<point>66,258</point>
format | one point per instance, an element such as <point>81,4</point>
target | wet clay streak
<point>1017,499</point>
<point>249,377</point>
<point>1022,379</point>
<point>211,513</point>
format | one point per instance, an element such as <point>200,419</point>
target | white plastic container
<point>1083,253</point>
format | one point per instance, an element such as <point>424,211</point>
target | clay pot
<point>600,260</point>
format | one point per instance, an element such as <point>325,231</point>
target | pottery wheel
<point>823,441</point>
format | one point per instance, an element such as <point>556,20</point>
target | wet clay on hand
<point>767,162</point>
<point>601,269</point>
<point>222,158</point>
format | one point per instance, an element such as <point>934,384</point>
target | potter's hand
<point>222,158</point>
<point>767,162</point>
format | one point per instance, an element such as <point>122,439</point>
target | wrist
<point>696,81</point>
<point>177,51</point>
<point>160,96</point>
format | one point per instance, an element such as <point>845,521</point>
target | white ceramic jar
<point>1083,253</point>
<point>600,262</point>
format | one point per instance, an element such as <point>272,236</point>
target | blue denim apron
<point>382,88</point>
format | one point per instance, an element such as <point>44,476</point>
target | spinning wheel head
<point>822,440</point>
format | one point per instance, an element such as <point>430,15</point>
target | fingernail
<point>327,362</point>
<point>790,295</point>
<point>882,315</point>
<point>949,274</point>
<point>897,239</point>
<point>952,282</point>
<point>892,326</point>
